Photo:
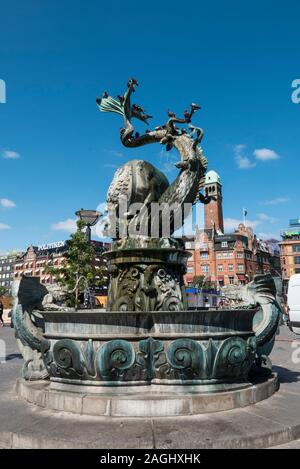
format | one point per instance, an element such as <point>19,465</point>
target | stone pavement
<point>274,422</point>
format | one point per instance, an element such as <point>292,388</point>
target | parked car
<point>293,301</point>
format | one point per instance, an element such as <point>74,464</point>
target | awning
<point>241,277</point>
<point>221,278</point>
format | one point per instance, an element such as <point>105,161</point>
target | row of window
<point>220,267</point>
<point>6,260</point>
<point>4,284</point>
<point>4,275</point>
<point>205,268</point>
<point>240,267</point>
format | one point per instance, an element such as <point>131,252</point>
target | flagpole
<point>244,217</point>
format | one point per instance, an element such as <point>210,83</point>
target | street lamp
<point>90,218</point>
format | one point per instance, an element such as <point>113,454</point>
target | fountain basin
<point>211,350</point>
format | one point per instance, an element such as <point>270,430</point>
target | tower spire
<point>213,211</point>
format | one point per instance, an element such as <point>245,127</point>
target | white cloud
<point>276,201</point>
<point>265,154</point>
<point>4,226</point>
<point>242,161</point>
<point>68,225</point>
<point>6,203</point>
<point>232,223</point>
<point>265,217</point>
<point>10,155</point>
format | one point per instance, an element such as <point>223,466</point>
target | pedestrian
<point>1,313</point>
<point>285,313</point>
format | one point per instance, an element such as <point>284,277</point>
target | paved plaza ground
<point>274,422</point>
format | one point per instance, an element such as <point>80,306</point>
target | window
<point>297,260</point>
<point>224,244</point>
<point>239,255</point>
<point>296,248</point>
<point>190,270</point>
<point>220,268</point>
<point>231,280</point>
<point>297,271</point>
<point>224,255</point>
<point>240,267</point>
<point>204,255</point>
<point>205,268</point>
<point>230,266</point>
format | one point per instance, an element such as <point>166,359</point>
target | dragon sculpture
<point>139,182</point>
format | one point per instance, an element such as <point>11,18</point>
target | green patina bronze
<point>152,280</point>
<point>147,336</point>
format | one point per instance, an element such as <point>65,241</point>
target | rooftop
<point>212,177</point>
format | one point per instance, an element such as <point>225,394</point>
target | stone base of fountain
<point>155,363</point>
<point>144,401</point>
<point>138,364</point>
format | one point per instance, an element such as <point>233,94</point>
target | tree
<point>76,273</point>
<point>202,284</point>
<point>3,291</point>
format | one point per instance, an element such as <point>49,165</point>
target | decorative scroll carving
<point>151,356</point>
<point>150,360</point>
<point>114,358</point>
<point>142,287</point>
<point>187,357</point>
<point>234,358</point>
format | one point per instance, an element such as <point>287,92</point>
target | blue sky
<point>58,152</point>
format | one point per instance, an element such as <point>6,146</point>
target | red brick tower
<point>213,212</point>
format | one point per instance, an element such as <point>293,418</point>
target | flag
<point>245,212</point>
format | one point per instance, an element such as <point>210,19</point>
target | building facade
<point>7,265</point>
<point>226,258</point>
<point>33,263</point>
<point>290,250</point>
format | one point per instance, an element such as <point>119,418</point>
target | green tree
<point>202,284</point>
<point>3,291</point>
<point>77,271</point>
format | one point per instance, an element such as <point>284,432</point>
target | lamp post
<point>90,218</point>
